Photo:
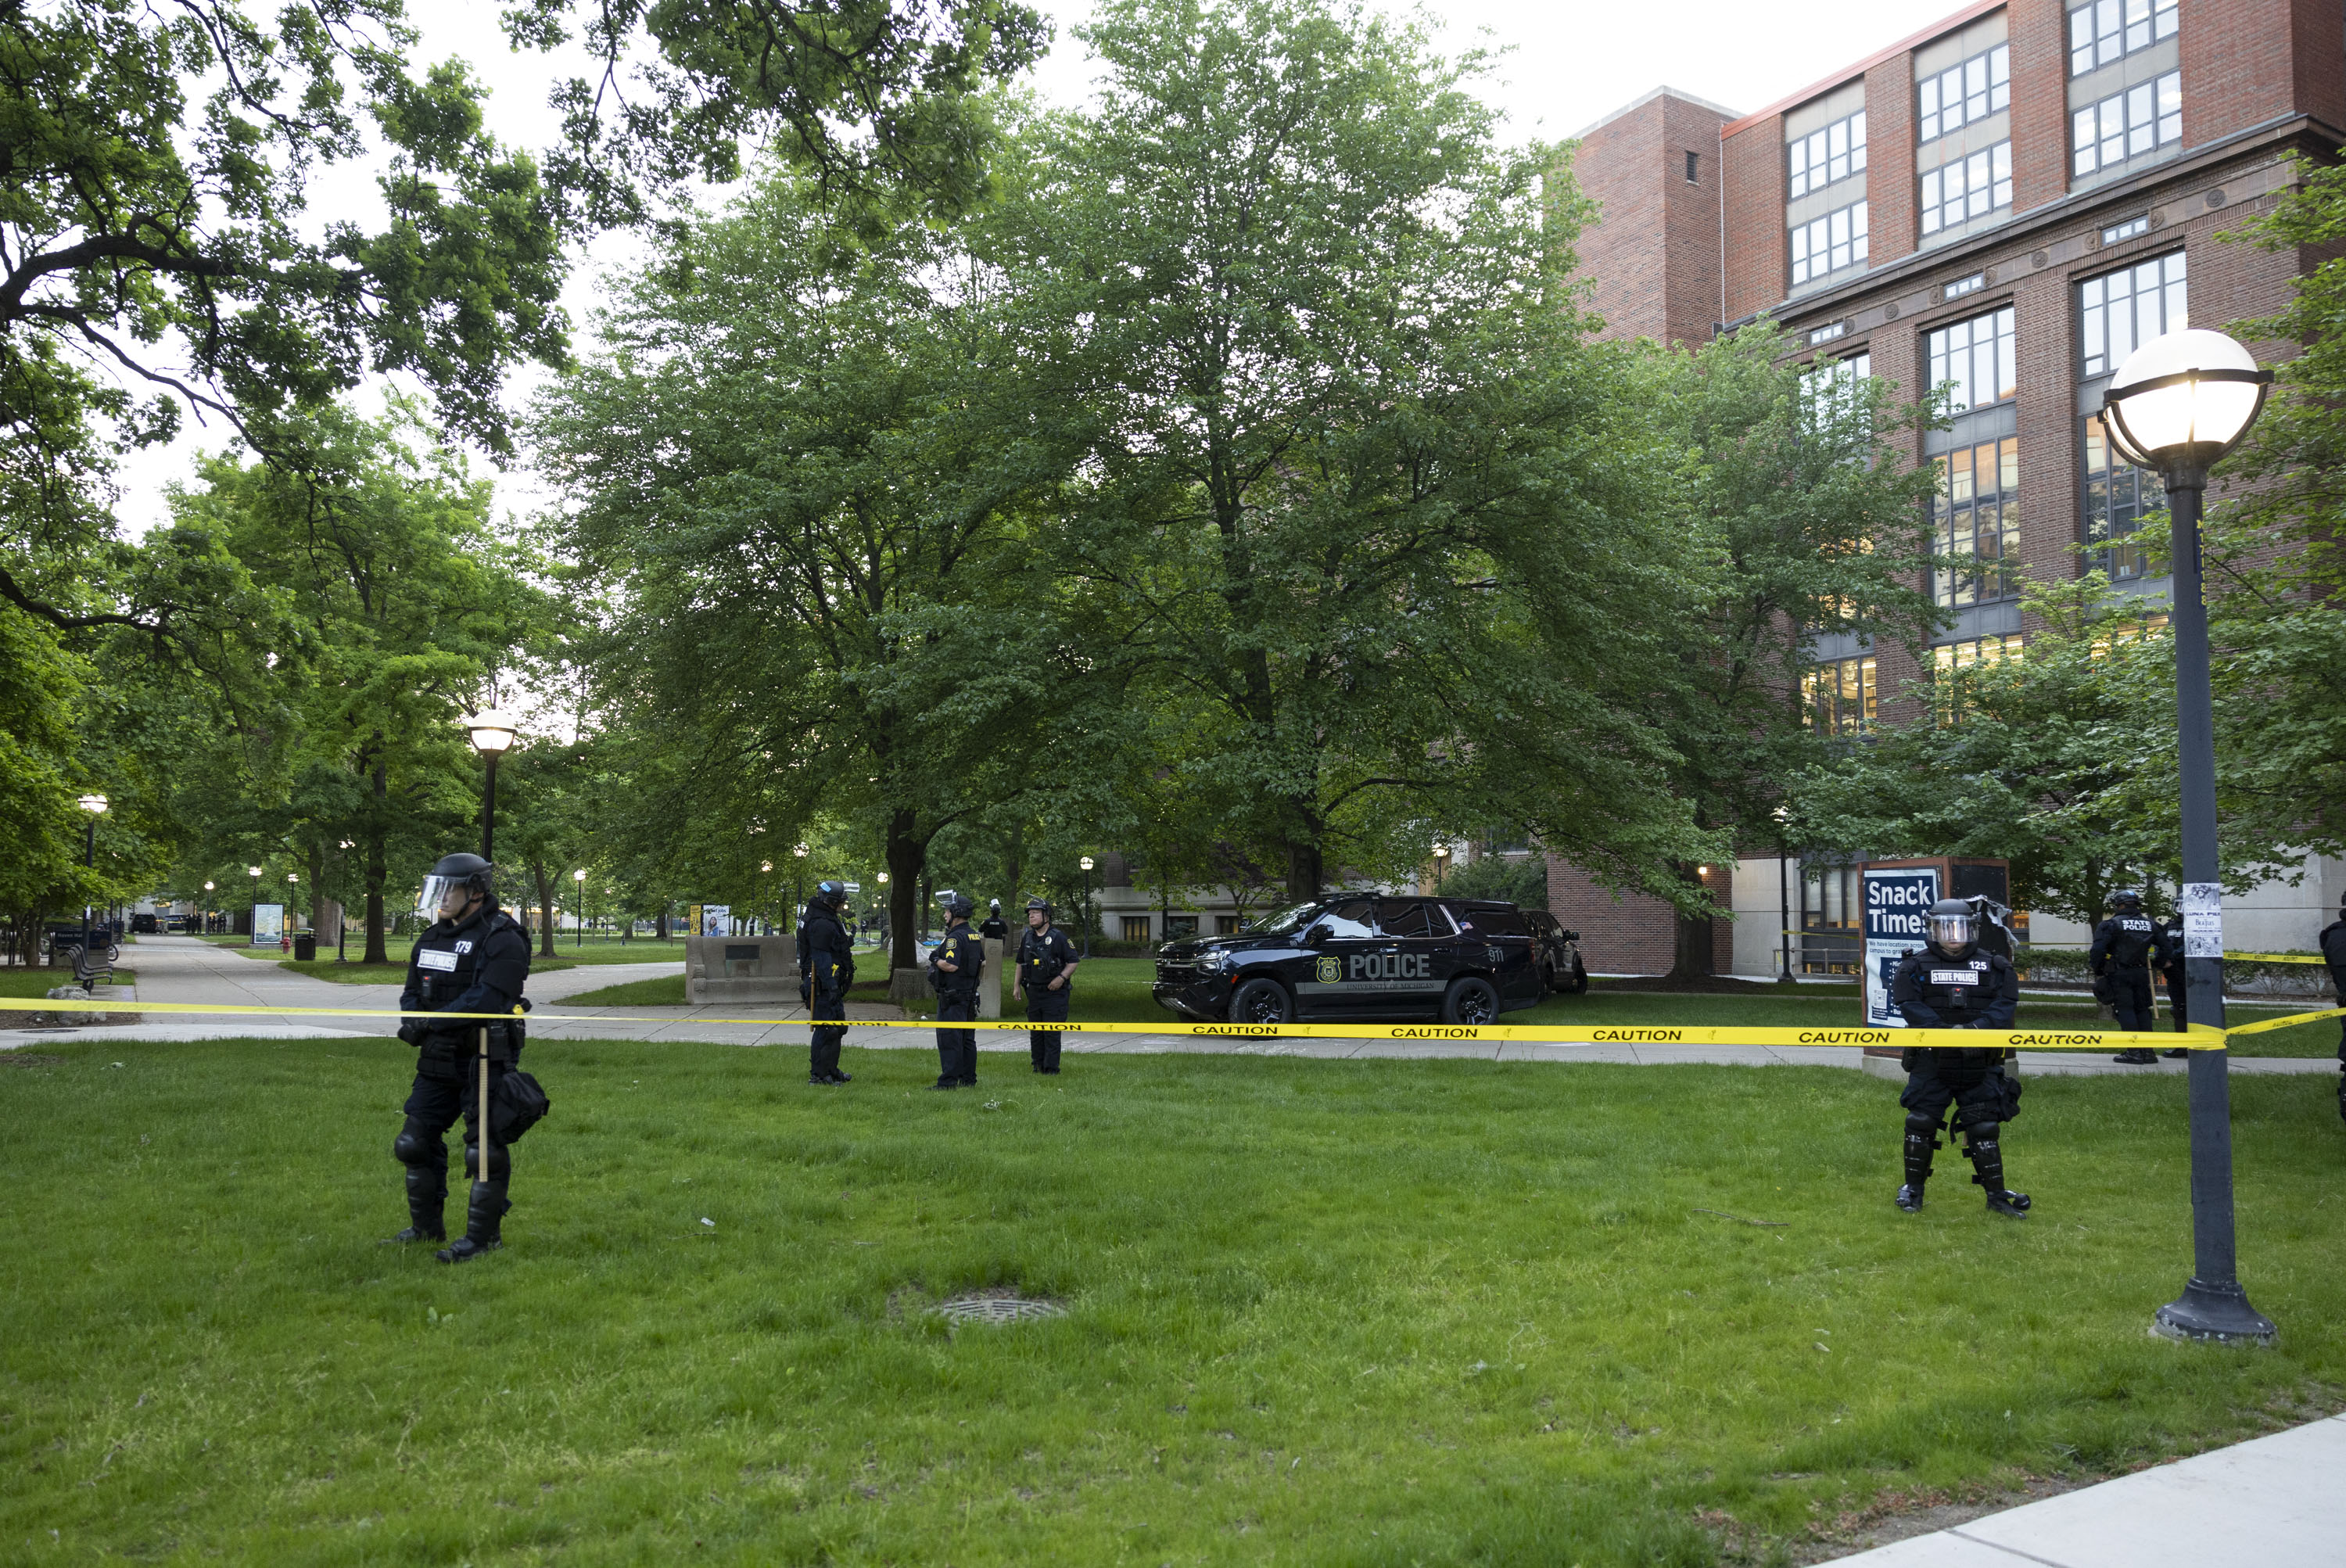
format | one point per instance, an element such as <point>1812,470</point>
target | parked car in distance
<point>1357,956</point>
<point>1559,953</point>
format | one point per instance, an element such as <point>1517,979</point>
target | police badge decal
<point>1332,971</point>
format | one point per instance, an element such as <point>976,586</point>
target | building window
<point>1226,925</point>
<point>1962,286</point>
<point>2118,496</point>
<point>1694,168</point>
<point>1951,656</point>
<point>2127,125</point>
<point>1977,517</point>
<point>2119,310</point>
<point>1977,357</point>
<point>2121,629</point>
<point>2138,224</point>
<point>1822,157</point>
<point>1177,927</point>
<point>1838,696</point>
<point>1828,332</point>
<point>1972,90</point>
<point>1833,912</point>
<point>1830,385</point>
<point>2101,31</point>
<point>1968,187</point>
<point>1136,928</point>
<point>1832,242</point>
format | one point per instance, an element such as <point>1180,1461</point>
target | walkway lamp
<point>2177,406</point>
<point>254,934</point>
<point>93,807</point>
<point>579,876</point>
<point>208,907</point>
<point>797,880</point>
<point>1086,864</point>
<point>341,916</point>
<point>492,735</point>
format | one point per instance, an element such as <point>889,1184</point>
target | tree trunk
<point>907,859</point>
<point>545,907</point>
<point>1305,872</point>
<point>660,925</point>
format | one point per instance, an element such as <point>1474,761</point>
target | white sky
<point>1571,64</point>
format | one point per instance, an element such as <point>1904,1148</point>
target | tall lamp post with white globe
<point>2177,406</point>
<point>1086,864</point>
<point>492,735</point>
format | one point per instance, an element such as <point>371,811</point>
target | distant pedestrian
<point>953,971</point>
<point>1045,976</point>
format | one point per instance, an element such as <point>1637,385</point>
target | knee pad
<point>414,1146</point>
<point>1986,1132</point>
<point>1919,1125</point>
<point>500,1162</point>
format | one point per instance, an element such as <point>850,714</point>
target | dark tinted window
<point>1497,922</point>
<point>1348,921</point>
<point>1408,918</point>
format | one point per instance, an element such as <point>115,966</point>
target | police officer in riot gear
<point>994,929</point>
<point>826,969</point>
<point>1045,973</point>
<point>2171,939</point>
<point>1952,984</point>
<point>2126,947</point>
<point>2332,942</point>
<point>953,971</point>
<point>474,957</point>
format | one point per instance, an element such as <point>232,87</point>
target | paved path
<point>2272,1502</point>
<point>181,969</point>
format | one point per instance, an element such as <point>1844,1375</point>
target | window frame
<point>1856,241</point>
<point>2165,125</point>
<point>1987,171</point>
<point>2004,334</point>
<point>1800,159</point>
<point>1992,90</point>
<point>2111,549</point>
<point>2169,291</point>
<point>1961,588</point>
<point>2154,13</point>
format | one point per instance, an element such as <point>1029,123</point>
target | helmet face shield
<point>444,898</point>
<point>1952,932</point>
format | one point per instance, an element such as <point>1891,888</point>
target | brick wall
<point>2239,60</point>
<point>1890,190</point>
<point>2039,33</point>
<point>1632,933</point>
<point>1653,255</point>
<point>1756,247</point>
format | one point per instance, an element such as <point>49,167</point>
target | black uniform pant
<point>2174,979</point>
<point>1985,1099</point>
<point>1045,1006</point>
<point>2130,997</point>
<point>956,1048</point>
<point>822,1045</point>
<point>447,1087</point>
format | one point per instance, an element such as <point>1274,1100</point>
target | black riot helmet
<point>830,894</point>
<point>467,874</point>
<point>1043,904</point>
<point>957,905</point>
<point>2126,901</point>
<point>1954,927</point>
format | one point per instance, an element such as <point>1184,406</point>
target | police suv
<point>1353,956</point>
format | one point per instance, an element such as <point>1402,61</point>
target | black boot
<point>427,1196</point>
<point>1987,1160</point>
<point>1920,1139</point>
<point>2136,1058</point>
<point>482,1213</point>
<point>2341,1094</point>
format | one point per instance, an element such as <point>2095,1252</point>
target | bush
<point>1522,882</point>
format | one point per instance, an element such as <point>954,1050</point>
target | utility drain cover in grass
<point>996,1307</point>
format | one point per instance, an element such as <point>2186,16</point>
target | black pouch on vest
<point>517,1104</point>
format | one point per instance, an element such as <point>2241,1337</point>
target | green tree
<point>793,467</point>
<point>1350,483</point>
<point>1812,523</point>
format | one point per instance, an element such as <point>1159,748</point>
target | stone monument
<point>741,969</point>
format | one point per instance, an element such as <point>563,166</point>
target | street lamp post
<point>765,870</point>
<point>93,807</point>
<point>492,734</point>
<point>252,936</point>
<point>798,878</point>
<point>1086,864</point>
<point>207,909</point>
<point>1783,815</point>
<point>341,916</point>
<point>579,876</point>
<point>2177,404</point>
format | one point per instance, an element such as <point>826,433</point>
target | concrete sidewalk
<point>181,969</point>
<point>2270,1502</point>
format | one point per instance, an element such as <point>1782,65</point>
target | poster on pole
<point>708,920</point>
<point>1898,900</point>
<point>268,929</point>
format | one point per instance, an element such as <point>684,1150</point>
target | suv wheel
<point>1263,1001</point>
<point>1470,1000</point>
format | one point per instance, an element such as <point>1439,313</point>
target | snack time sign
<point>1898,900</point>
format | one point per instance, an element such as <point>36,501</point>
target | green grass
<point>1326,1312</point>
<point>661,990</point>
<point>39,982</point>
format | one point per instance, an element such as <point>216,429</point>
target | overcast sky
<point>1571,63</point>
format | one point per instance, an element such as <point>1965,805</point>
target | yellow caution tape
<point>2198,1038</point>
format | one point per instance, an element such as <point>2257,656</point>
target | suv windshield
<point>1286,919</point>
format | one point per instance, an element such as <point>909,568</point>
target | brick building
<point>2008,202</point>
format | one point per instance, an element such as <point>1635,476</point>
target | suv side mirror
<point>1315,936</point>
<point>1572,936</point>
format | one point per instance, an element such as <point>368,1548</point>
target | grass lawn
<point>38,983</point>
<point>1331,1312</point>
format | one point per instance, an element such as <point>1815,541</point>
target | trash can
<point>305,946</point>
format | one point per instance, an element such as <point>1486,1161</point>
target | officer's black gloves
<point>411,1031</point>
